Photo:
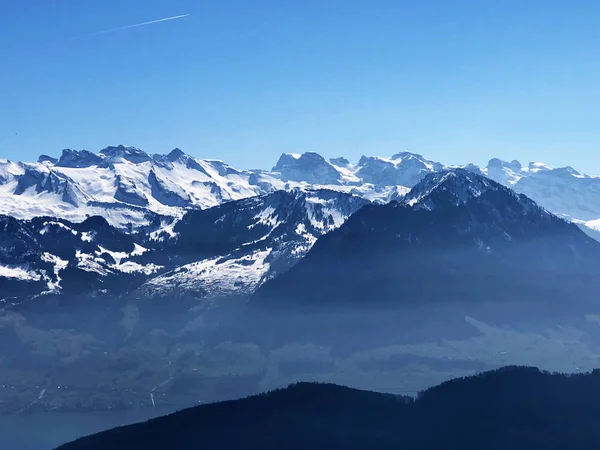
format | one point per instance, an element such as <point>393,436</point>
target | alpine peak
<point>309,167</point>
<point>78,159</point>
<point>122,152</point>
<point>175,154</point>
<point>454,186</point>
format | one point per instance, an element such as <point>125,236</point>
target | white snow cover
<point>472,187</point>
<point>57,224</point>
<point>537,167</point>
<point>18,273</point>
<point>130,267</point>
<point>89,263</point>
<point>122,191</point>
<point>59,264</point>
<point>218,276</point>
<point>123,183</point>
<point>593,224</point>
<point>96,263</point>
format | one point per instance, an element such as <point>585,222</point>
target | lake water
<point>45,431</point>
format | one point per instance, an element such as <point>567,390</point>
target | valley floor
<point>156,371</point>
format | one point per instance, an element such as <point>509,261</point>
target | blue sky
<point>244,81</point>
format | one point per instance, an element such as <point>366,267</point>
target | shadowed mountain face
<point>54,256</point>
<point>232,249</point>
<point>226,250</point>
<point>508,408</point>
<point>457,236</point>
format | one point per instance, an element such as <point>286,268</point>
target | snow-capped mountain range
<point>127,186</point>
<point>122,184</point>
<point>563,191</point>
<point>179,224</point>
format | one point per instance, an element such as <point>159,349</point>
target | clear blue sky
<point>244,81</point>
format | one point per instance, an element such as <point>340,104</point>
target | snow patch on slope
<point>89,263</point>
<point>217,276</point>
<point>59,264</point>
<point>133,267</point>
<point>18,273</point>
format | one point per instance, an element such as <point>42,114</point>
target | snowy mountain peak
<point>309,167</point>
<point>124,184</point>
<point>340,161</point>
<point>454,186</point>
<point>402,169</point>
<point>508,173</point>
<point>285,160</point>
<point>122,153</point>
<point>408,155</point>
<point>563,190</point>
<point>496,163</point>
<point>538,167</point>
<point>78,159</point>
<point>176,154</point>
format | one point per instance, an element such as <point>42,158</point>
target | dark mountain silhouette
<point>457,236</point>
<point>514,407</point>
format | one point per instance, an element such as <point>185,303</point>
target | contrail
<point>126,27</point>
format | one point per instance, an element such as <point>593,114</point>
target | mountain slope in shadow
<point>513,407</point>
<point>456,237</point>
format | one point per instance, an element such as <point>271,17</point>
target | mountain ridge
<point>127,185</point>
<point>139,193</point>
<point>255,238</point>
<point>491,244</point>
<point>512,407</point>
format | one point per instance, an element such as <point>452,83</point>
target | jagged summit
<point>124,153</point>
<point>175,154</point>
<point>496,163</point>
<point>309,167</point>
<point>124,184</point>
<point>123,177</point>
<point>111,154</point>
<point>78,159</point>
<point>340,161</point>
<point>481,205</point>
<point>453,187</point>
<point>406,154</point>
<point>403,169</point>
<point>456,185</point>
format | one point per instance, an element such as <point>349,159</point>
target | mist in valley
<point>113,359</point>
